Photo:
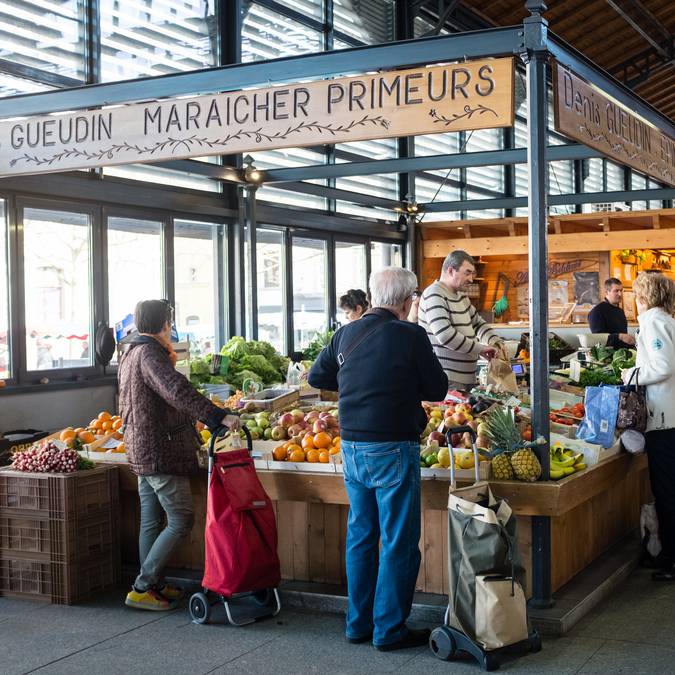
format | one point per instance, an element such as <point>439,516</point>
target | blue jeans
<point>383,486</point>
<point>160,494</point>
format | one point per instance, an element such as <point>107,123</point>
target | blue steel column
<point>535,57</point>
<point>251,303</point>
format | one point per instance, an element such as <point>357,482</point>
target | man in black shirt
<point>608,317</point>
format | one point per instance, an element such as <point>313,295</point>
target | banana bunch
<point>565,462</point>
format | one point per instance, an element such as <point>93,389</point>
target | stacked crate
<point>59,534</point>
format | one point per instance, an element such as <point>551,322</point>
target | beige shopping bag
<point>501,611</point>
<point>500,374</point>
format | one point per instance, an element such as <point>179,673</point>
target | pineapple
<point>510,459</point>
<point>525,465</point>
<point>501,466</point>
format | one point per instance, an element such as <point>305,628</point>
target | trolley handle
<point>221,430</point>
<point>474,436</point>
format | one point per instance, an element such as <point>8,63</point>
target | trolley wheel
<point>442,643</point>
<point>534,641</point>
<point>490,662</point>
<point>200,608</point>
<point>263,597</point>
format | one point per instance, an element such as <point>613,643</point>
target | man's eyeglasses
<point>416,294</point>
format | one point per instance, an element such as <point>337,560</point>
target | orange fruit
<point>336,440</point>
<point>92,423</point>
<point>313,455</point>
<point>115,417</point>
<point>324,457</point>
<point>334,450</point>
<point>78,429</point>
<point>280,453</point>
<point>107,425</point>
<point>67,435</point>
<point>322,440</point>
<point>117,424</point>
<point>117,436</point>
<point>296,453</point>
<point>105,416</point>
<point>97,424</point>
<point>308,442</point>
<point>86,436</point>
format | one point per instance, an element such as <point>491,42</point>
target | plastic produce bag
<point>599,424</point>
<point>649,530</point>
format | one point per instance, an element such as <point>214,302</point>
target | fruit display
<point>512,457</point>
<point>565,462</point>
<point>50,457</point>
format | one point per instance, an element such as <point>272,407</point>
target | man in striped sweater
<point>456,331</point>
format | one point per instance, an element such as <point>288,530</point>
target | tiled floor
<point>630,633</point>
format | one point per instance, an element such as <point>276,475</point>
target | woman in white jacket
<point>655,363</point>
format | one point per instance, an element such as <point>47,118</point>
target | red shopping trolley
<point>241,564</point>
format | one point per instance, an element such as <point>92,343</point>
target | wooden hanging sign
<point>425,100</point>
<point>586,114</point>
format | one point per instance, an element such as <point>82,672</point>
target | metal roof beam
<point>553,200</point>
<point>460,46</point>
<point>343,195</point>
<point>624,7</point>
<point>430,163</point>
<point>646,63</point>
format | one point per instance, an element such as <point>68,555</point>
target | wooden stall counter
<point>590,511</point>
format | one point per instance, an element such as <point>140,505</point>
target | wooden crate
<point>273,399</point>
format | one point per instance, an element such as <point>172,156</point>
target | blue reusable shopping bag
<point>599,424</point>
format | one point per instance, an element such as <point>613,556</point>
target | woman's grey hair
<point>391,286</point>
<point>456,259</point>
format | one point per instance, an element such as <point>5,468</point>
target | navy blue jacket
<point>382,381</point>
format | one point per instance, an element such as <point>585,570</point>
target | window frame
<point>26,376</point>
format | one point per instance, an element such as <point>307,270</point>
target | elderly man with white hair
<point>383,366</point>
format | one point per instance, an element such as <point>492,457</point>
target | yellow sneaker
<point>171,592</point>
<point>150,599</point>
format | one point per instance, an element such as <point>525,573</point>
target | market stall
<point>564,524</point>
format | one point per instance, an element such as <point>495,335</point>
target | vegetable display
<point>320,341</point>
<point>252,359</point>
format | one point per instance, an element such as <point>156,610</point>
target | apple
<point>278,433</point>
<point>295,430</point>
<point>459,418</point>
<point>437,436</point>
<point>319,425</point>
<point>286,420</point>
<point>330,421</point>
<point>433,444</point>
<point>466,440</point>
<point>456,439</point>
<point>267,435</point>
<point>298,416</point>
<point>263,423</point>
<point>482,441</point>
<point>323,415</point>
<point>297,440</point>
<point>311,416</point>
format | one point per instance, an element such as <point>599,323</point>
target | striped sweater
<point>456,331</point>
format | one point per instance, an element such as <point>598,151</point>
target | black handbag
<point>632,406</point>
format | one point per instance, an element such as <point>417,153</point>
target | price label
<point>575,370</point>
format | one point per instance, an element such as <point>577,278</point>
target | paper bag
<point>500,374</point>
<point>501,611</point>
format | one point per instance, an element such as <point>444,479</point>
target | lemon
<point>206,435</point>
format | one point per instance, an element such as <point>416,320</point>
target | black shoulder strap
<point>368,331</point>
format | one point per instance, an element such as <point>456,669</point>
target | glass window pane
<point>350,268</point>
<point>134,264</point>
<point>490,177</point>
<point>57,282</point>
<point>271,278</point>
<point>638,182</point>
<point>12,86</point>
<point>196,293</point>
<point>385,255</point>
<point>139,39</point>
<point>5,365</point>
<point>266,34</point>
<point>161,176</point>
<point>369,21</point>
<point>310,304</point>
<point>46,35</point>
